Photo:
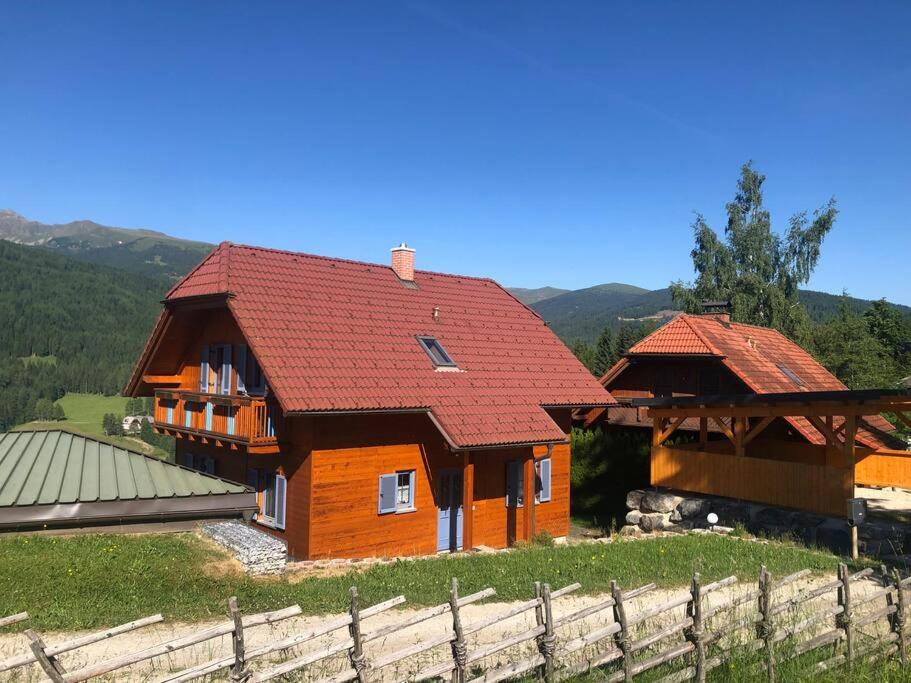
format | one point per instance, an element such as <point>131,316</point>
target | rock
<point>652,521</point>
<point>659,501</point>
<point>775,518</point>
<point>665,524</point>
<point>676,516</point>
<point>633,517</point>
<point>256,550</point>
<point>630,530</point>
<point>690,508</point>
<point>634,499</point>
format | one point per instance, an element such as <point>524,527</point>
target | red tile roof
<point>759,356</point>
<point>337,335</point>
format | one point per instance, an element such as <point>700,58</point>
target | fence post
<point>548,644</point>
<point>844,619</point>
<point>898,623</point>
<point>239,673</point>
<point>539,621</point>
<point>50,665</point>
<point>356,653</point>
<point>459,649</point>
<point>695,632</point>
<point>622,637</point>
<point>765,625</point>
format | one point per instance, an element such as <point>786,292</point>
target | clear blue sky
<point>539,143</point>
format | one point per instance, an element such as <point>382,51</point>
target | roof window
<point>791,375</point>
<point>437,353</point>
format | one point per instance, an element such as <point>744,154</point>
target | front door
<point>449,505</point>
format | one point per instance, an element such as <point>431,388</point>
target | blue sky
<point>562,144</point>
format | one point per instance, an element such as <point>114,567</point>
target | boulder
<point>633,517</point>
<point>634,499</point>
<point>675,515</point>
<point>690,508</point>
<point>630,530</point>
<point>659,501</point>
<point>652,521</point>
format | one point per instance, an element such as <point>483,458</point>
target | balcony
<point>222,420</point>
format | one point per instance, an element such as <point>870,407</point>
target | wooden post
<point>459,648</point>
<point>855,551</point>
<point>539,621</point>
<point>239,673</point>
<point>468,503</point>
<point>356,653</point>
<point>549,641</point>
<point>765,629</point>
<point>50,665</point>
<point>844,619</point>
<point>703,432</point>
<point>739,424</point>
<point>529,496</point>
<point>622,637</point>
<point>695,632</point>
<point>899,622</point>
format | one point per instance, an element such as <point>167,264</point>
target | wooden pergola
<point>748,466</point>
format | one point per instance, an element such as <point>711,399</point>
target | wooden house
<point>377,410</point>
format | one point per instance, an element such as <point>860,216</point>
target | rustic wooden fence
<point>682,637</point>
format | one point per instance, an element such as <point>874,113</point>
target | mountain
<point>533,296</point>
<point>583,313</point>
<point>66,325</point>
<point>146,252</point>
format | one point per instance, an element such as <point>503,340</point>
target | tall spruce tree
<point>605,352</point>
<point>753,268</point>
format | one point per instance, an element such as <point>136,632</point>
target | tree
<point>754,269</point>
<point>891,330</point>
<point>845,346</point>
<point>112,424</point>
<point>631,334</point>
<point>44,409</point>
<point>585,352</point>
<point>605,354</point>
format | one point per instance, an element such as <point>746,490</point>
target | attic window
<point>437,353</point>
<point>791,375</point>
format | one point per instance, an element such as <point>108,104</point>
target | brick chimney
<point>403,262</point>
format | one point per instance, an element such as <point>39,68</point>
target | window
<point>437,353</point>
<point>515,484</point>
<point>791,375</point>
<point>542,480</point>
<point>200,463</point>
<point>271,489</point>
<point>215,369</point>
<point>250,379</point>
<point>396,492</point>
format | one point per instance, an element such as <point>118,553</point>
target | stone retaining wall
<point>256,550</point>
<point>652,510</point>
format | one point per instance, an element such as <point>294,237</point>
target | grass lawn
<point>90,581</point>
<point>85,412</point>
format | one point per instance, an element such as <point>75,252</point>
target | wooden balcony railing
<point>249,420</point>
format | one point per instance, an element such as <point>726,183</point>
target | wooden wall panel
<point>795,485</point>
<point>883,468</point>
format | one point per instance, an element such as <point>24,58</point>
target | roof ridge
<point>711,347</point>
<point>205,259</point>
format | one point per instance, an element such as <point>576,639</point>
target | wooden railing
<point>243,419</point>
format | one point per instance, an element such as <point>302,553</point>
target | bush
<point>112,424</point>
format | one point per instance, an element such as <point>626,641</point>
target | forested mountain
<point>146,252</point>
<point>584,313</point>
<point>67,325</point>
<point>533,296</point>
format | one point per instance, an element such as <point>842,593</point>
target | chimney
<point>403,262</point>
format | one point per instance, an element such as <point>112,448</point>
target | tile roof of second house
<point>338,335</point>
<point>762,357</point>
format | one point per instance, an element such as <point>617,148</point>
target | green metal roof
<point>57,475</point>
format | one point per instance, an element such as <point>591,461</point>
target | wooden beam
<point>821,409</point>
<point>904,418</point>
<point>755,431</point>
<point>850,433</point>
<point>529,496</point>
<point>703,431</point>
<point>468,503</point>
<point>740,426</point>
<point>161,379</point>
<point>830,436</point>
<point>666,433</point>
<point>724,428</point>
<point>657,428</point>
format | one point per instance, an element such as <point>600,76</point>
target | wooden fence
<point>681,637</point>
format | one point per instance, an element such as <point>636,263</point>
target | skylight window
<point>791,375</point>
<point>437,353</point>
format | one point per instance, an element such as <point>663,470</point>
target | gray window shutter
<point>545,480</point>
<point>281,487</point>
<point>204,369</point>
<point>411,490</point>
<point>387,493</point>
<point>241,368</point>
<point>226,369</point>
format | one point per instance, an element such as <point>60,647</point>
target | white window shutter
<point>281,487</point>
<point>204,369</point>
<point>226,369</point>
<point>387,491</point>
<point>241,368</point>
<point>545,480</point>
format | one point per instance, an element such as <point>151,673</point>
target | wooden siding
<point>816,488</point>
<point>883,468</point>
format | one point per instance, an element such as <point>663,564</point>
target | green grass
<point>39,360</point>
<point>98,580</point>
<point>86,411</point>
